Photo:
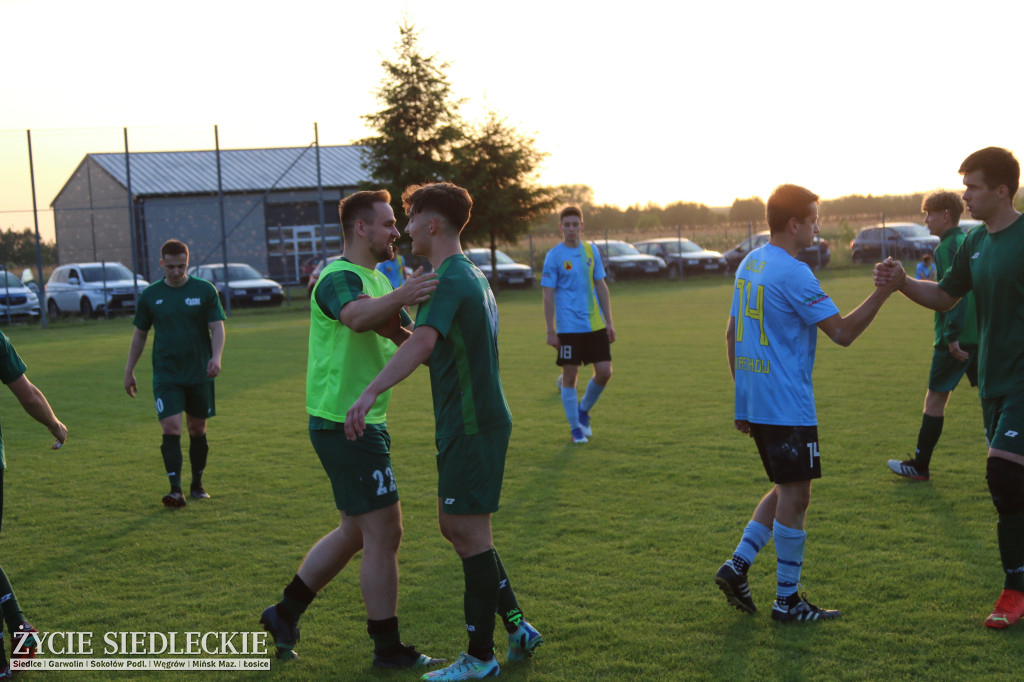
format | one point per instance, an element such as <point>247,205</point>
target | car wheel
<point>51,308</point>
<point>610,275</point>
<point>85,307</point>
<point>857,257</point>
<point>673,271</point>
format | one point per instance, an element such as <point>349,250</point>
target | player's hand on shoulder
<point>418,287</point>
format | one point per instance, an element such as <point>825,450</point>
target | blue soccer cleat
<point>522,642</point>
<point>465,668</point>
<point>585,424</point>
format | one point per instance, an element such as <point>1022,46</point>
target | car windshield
<point>109,273</point>
<point>912,231</point>
<point>484,257</point>
<point>620,249</point>
<point>7,280</point>
<point>235,272</point>
<point>678,246</point>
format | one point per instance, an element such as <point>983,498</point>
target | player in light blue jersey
<point>576,299</point>
<point>777,308</point>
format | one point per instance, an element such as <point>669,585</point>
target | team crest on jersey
<point>567,265</point>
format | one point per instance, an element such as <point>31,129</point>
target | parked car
<point>315,275</point>
<point>622,260</point>
<point>817,255</point>
<point>683,256</point>
<point>91,289</point>
<point>902,240</point>
<point>17,301</point>
<point>246,286</point>
<point>968,224</point>
<point>510,273</point>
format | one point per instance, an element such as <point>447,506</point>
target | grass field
<point>611,546</point>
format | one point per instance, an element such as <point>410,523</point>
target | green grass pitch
<point>611,546</point>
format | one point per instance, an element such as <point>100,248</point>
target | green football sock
<point>9,604</point>
<point>480,600</point>
<point>508,607</point>
<point>1010,531</point>
<point>170,448</point>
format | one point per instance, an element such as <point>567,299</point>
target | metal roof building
<point>270,206</point>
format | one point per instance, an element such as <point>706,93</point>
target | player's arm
<point>844,330</point>
<point>135,349</point>
<point>369,314</point>
<point>890,274</point>
<point>404,362</point>
<point>37,407</point>
<point>549,316</point>
<point>217,335</point>
<point>604,299</point>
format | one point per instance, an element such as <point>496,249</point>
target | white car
<point>91,289</point>
<point>247,286</point>
<point>17,301</point>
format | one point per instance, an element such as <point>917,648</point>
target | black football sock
<point>385,635</point>
<point>508,607</point>
<point>931,429</point>
<point>198,449</point>
<point>170,448</point>
<point>480,601</point>
<point>296,599</point>
<point>9,604</point>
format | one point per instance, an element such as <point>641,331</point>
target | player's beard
<point>384,253</point>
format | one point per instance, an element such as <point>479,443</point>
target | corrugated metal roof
<point>242,170</point>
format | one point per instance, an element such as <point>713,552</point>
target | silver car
<point>92,289</point>
<point>17,301</point>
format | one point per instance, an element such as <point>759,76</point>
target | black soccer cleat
<point>285,635</point>
<point>797,609</point>
<point>735,587</point>
<point>405,657</point>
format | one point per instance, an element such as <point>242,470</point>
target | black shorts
<point>789,453</point>
<point>584,348</point>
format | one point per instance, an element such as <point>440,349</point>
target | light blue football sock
<point>591,395</point>
<point>755,537</point>
<point>571,407</point>
<point>789,550</point>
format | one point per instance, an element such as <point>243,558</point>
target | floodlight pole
<point>35,217</point>
<point>223,234</point>
<point>131,219</point>
<point>319,192</point>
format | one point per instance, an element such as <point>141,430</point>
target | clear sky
<point>645,101</point>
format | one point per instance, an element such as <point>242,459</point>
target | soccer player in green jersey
<point>356,321</point>
<point>956,338</point>
<point>988,264</point>
<point>456,334</point>
<point>12,374</point>
<point>189,322</point>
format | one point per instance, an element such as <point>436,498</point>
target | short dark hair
<point>788,201</point>
<point>360,206</point>
<point>451,201</point>
<point>173,247</point>
<point>944,201</point>
<point>570,210</point>
<point>997,166</point>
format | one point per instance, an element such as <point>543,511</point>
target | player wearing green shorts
<point>12,374</point>
<point>457,336</point>
<point>189,322</point>
<point>956,338</point>
<point>988,263</point>
<point>356,322</point>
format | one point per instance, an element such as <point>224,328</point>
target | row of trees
<point>421,137</point>
<point>19,248</point>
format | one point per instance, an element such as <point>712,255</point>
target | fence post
<point>39,251</point>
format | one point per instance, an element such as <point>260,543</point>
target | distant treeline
<point>19,248</point>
